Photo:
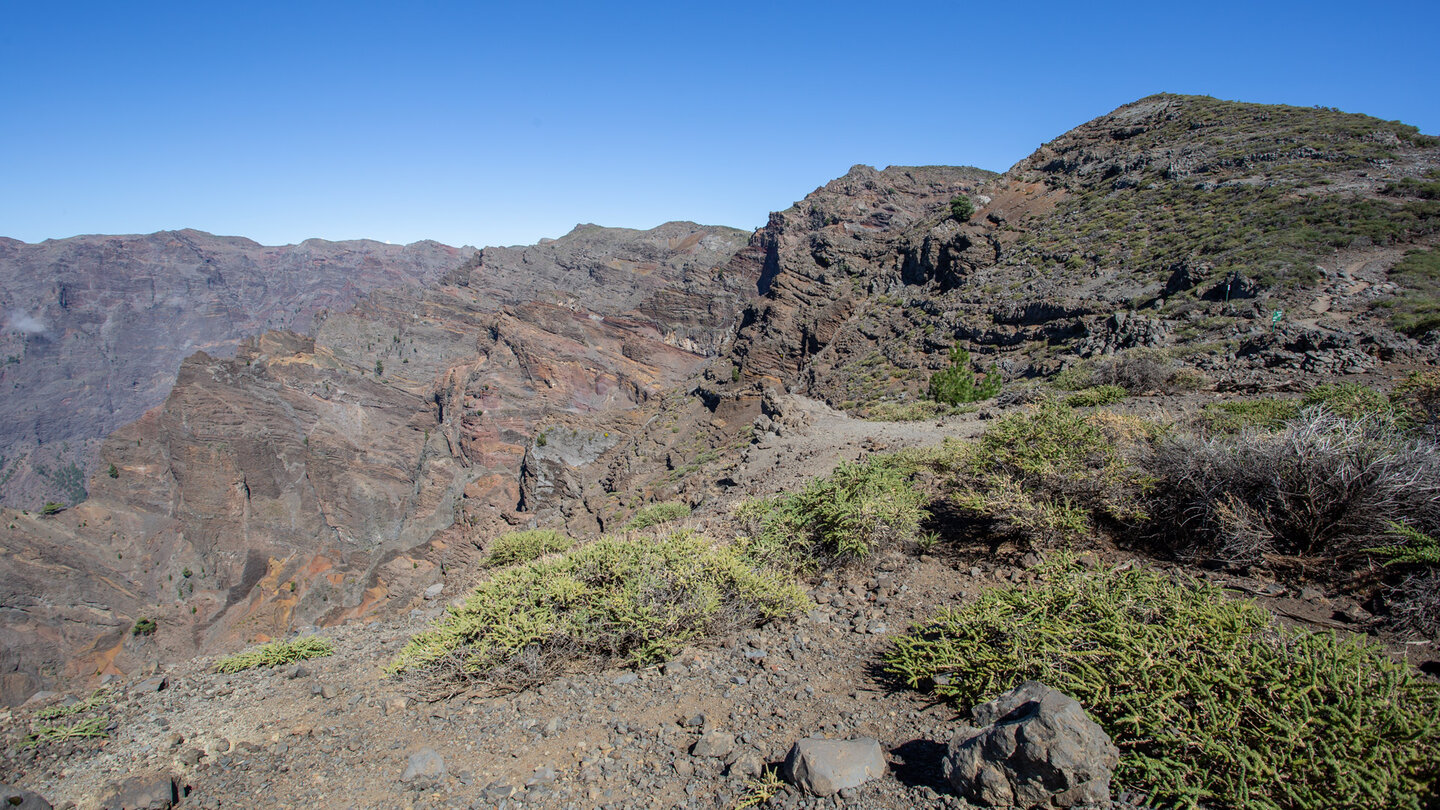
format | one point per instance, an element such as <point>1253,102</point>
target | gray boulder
<point>826,767</point>
<point>14,798</point>
<point>1034,747</point>
<point>153,791</point>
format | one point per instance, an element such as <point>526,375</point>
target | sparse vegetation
<point>627,598</point>
<point>1208,701</point>
<point>656,514</point>
<point>1416,310</point>
<point>524,546</point>
<point>276,653</point>
<point>52,508</point>
<point>143,627</point>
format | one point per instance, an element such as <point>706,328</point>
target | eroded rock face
<point>1035,747</point>
<point>95,327</point>
<point>311,480</point>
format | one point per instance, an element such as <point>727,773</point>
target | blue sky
<point>479,123</point>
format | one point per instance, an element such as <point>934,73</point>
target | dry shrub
<point>1323,485</point>
<point>1137,372</point>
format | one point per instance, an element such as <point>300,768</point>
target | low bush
<point>1098,395</point>
<point>1417,398</point>
<point>916,411</point>
<point>524,546</point>
<point>1210,704</point>
<point>143,627</point>
<point>656,514</point>
<point>858,508</point>
<point>276,653</point>
<point>1045,476</point>
<point>1243,414</point>
<point>1322,485</point>
<point>630,598</point>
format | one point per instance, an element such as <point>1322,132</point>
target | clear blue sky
<point>480,123</point>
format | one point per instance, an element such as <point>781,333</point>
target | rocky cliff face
<point>1177,223</point>
<point>95,328</point>
<point>309,480</point>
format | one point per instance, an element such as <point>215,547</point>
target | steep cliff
<point>95,328</point>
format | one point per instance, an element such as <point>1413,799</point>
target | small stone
<point>395,705</point>
<point>191,756</point>
<point>1356,615</point>
<point>684,769</point>
<point>328,692</point>
<point>544,775</point>
<point>297,671</point>
<point>713,744</point>
<point>1030,560</point>
<point>1311,594</point>
<point>434,591</point>
<point>825,767</point>
<point>627,678</point>
<point>424,764</point>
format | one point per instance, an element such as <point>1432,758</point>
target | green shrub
<point>1098,395</point>
<point>276,653</point>
<point>524,546</point>
<point>656,514</point>
<point>52,508</point>
<point>632,598</point>
<point>1045,475</point>
<point>113,472</point>
<point>95,701</point>
<point>1350,400</point>
<point>956,384</point>
<point>846,515</point>
<point>1413,547</point>
<point>88,728</point>
<point>143,627</point>
<point>1209,702</point>
<point>1242,414</point>
<point>961,208</point>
